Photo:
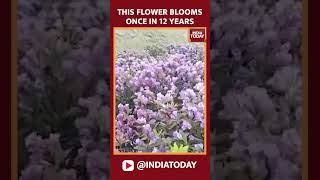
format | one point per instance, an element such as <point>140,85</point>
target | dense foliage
<point>160,101</point>
<point>63,90</point>
<point>255,89</point>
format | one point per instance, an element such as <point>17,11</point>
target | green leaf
<point>176,148</point>
<point>157,133</point>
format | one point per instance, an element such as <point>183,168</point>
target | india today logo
<point>127,165</point>
<point>197,35</point>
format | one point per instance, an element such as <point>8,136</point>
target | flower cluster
<point>63,90</point>
<point>256,89</point>
<point>160,100</point>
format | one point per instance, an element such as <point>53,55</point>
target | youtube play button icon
<point>127,165</point>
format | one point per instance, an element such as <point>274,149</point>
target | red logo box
<point>197,35</point>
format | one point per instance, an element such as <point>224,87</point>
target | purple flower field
<point>160,101</point>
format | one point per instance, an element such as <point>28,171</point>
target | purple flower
<point>120,117</point>
<point>140,113</point>
<point>164,99</point>
<point>138,142</point>
<point>174,115</point>
<point>186,125</point>
<point>198,147</point>
<point>123,108</point>
<point>147,130</point>
<point>141,120</point>
<point>177,135</point>
<point>155,149</point>
<point>141,98</point>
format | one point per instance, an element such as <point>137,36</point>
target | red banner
<point>178,161</point>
